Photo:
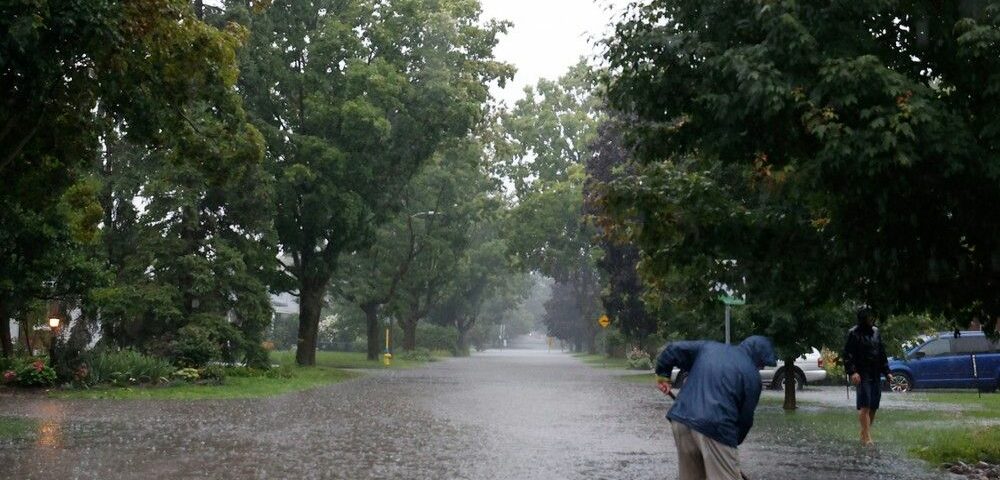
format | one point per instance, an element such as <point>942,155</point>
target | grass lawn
<point>14,428</point>
<point>234,387</point>
<point>330,368</point>
<point>644,378</point>
<point>602,361</point>
<point>343,360</point>
<point>970,432</point>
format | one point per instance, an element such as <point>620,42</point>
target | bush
<point>36,374</point>
<point>284,371</point>
<point>835,374</point>
<point>638,359</point>
<point>194,347</point>
<point>436,337</point>
<point>614,344</point>
<point>418,354</point>
<point>187,374</point>
<point>122,368</point>
<point>213,374</point>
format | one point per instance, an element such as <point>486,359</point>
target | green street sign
<point>731,300</point>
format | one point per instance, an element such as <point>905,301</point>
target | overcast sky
<point>548,36</point>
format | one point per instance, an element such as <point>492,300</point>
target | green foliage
<point>829,154</point>
<point>638,359</point>
<point>187,374</point>
<point>124,367</point>
<point>214,374</point>
<point>436,337</point>
<point>353,98</point>
<point>543,149</point>
<point>36,374</point>
<point>194,347</point>
<point>419,354</point>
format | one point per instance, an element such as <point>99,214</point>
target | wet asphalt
<point>522,413</point>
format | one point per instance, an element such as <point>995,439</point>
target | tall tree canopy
<point>352,97</point>
<point>827,152</point>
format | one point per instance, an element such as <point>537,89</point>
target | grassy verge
<point>602,361</point>
<point>14,428</point>
<point>934,435</point>
<point>345,360</point>
<point>234,387</point>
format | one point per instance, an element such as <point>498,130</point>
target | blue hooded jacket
<point>722,388</point>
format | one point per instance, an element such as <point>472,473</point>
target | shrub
<point>418,354</point>
<point>124,367</point>
<point>244,372</point>
<point>436,337</point>
<point>194,347</point>
<point>284,371</point>
<point>638,359</point>
<point>187,374</point>
<point>615,344</point>
<point>36,374</point>
<point>213,374</point>
<point>835,374</point>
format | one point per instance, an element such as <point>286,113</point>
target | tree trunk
<point>462,344</point>
<point>577,344</point>
<point>27,336</point>
<point>5,341</point>
<point>310,304</point>
<point>790,381</point>
<point>591,341</point>
<point>374,337</point>
<point>409,334</point>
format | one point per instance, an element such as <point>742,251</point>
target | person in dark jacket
<point>713,415</point>
<point>865,362</point>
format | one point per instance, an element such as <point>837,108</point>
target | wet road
<point>516,414</point>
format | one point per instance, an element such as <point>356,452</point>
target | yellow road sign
<point>604,321</point>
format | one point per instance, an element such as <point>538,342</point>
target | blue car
<point>969,360</point>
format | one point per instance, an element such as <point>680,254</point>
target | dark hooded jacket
<point>722,388</point>
<point>864,353</point>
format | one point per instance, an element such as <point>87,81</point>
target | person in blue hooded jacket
<point>713,415</point>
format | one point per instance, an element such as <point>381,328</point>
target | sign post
<point>729,301</point>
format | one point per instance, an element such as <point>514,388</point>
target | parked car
<point>969,360</point>
<point>808,368</point>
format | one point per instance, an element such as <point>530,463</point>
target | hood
<point>760,350</point>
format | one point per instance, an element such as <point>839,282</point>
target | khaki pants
<point>701,458</point>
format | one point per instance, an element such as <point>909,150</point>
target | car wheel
<point>901,382</point>
<point>778,382</point>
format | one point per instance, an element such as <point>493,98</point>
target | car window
<point>937,348</point>
<point>972,345</point>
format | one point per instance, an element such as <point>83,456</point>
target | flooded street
<point>514,414</point>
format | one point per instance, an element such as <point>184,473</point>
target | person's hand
<point>888,378</point>
<point>855,379</point>
<point>664,385</point>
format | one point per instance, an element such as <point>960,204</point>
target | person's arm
<point>850,355</point>
<point>677,354</point>
<point>751,395</point>
<point>883,358</point>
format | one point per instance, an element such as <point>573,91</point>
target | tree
<point>439,208</point>
<point>483,284</point>
<point>623,289</point>
<point>81,76</point>
<point>825,152</point>
<point>353,97</point>
<point>547,136</point>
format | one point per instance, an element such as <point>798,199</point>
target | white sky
<point>548,36</point>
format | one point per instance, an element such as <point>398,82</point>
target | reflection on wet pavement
<point>516,414</point>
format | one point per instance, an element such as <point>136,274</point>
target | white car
<point>808,369</point>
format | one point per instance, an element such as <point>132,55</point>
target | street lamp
<point>54,327</point>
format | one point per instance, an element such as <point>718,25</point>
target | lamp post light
<point>54,327</point>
